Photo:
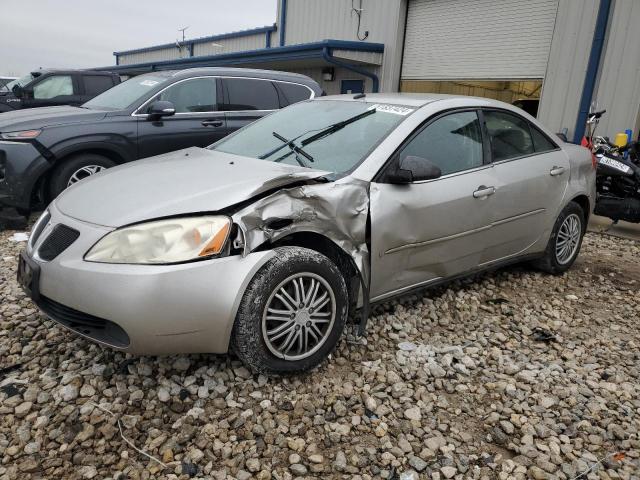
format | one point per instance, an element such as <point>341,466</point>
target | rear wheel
<point>565,242</point>
<point>75,169</point>
<point>292,313</point>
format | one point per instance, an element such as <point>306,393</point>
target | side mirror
<point>414,169</point>
<point>17,91</point>
<point>161,109</point>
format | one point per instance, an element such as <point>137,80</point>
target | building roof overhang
<point>303,55</point>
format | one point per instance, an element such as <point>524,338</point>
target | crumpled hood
<point>34,118</point>
<point>187,181</point>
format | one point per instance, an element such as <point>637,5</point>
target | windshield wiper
<point>321,134</point>
<point>294,149</point>
<point>331,129</point>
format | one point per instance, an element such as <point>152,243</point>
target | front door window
<point>453,143</point>
<point>192,96</point>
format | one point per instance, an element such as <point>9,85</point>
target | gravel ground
<point>514,374</point>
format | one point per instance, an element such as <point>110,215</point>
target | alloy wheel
<point>568,238</point>
<point>299,316</point>
<point>83,173</point>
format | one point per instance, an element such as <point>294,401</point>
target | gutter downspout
<point>283,21</point>
<point>592,68</point>
<point>326,55</point>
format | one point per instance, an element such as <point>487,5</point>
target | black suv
<point>45,150</point>
<point>46,88</point>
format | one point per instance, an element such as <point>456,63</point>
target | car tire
<point>565,241</point>
<point>77,166</point>
<point>265,313</point>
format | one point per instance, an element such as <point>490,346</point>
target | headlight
<point>22,135</point>
<point>163,241</point>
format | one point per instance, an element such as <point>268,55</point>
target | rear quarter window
<point>292,93</point>
<point>540,141</point>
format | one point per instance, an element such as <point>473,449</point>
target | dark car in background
<point>47,88</point>
<point>5,80</point>
<point>45,150</point>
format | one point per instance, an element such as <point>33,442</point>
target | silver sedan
<point>267,241</point>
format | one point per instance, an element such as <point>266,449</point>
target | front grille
<point>57,242</point>
<point>95,328</point>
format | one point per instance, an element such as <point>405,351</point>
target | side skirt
<point>443,281</point>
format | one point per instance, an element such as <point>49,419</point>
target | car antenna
<point>359,96</point>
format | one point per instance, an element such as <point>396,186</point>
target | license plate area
<point>29,276</point>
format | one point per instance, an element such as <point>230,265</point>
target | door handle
<point>555,171</point>
<point>212,123</point>
<point>483,192</point>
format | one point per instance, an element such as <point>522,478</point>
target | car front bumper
<point>142,309</point>
<point>21,165</point>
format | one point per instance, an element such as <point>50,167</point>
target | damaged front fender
<point>337,210</point>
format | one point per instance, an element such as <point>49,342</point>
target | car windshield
<point>126,94</point>
<point>331,135</point>
<point>22,81</point>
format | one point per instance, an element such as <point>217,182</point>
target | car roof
<point>71,70</point>
<point>242,72</point>
<point>415,99</point>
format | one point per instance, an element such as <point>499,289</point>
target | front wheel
<point>292,314</point>
<point>75,169</point>
<point>565,241</point>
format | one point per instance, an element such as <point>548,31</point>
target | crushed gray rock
<point>451,383</point>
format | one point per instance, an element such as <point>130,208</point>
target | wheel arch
<point>585,204</point>
<point>107,151</point>
<point>40,189</point>
<point>327,247</point>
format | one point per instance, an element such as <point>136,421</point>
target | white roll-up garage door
<point>478,39</point>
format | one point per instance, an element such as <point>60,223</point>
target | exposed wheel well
<point>584,203</point>
<point>327,247</point>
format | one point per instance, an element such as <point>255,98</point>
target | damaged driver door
<point>427,230</point>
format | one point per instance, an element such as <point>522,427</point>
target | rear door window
<point>250,94</point>
<point>292,93</point>
<point>509,134</point>
<point>96,84</point>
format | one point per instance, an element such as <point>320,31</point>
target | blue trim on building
<point>283,21</point>
<point>290,52</point>
<point>267,40</point>
<point>328,57</point>
<point>592,68</point>
<point>222,36</point>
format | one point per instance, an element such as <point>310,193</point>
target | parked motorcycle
<point>617,174</point>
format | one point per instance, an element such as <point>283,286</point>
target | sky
<point>85,33</point>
